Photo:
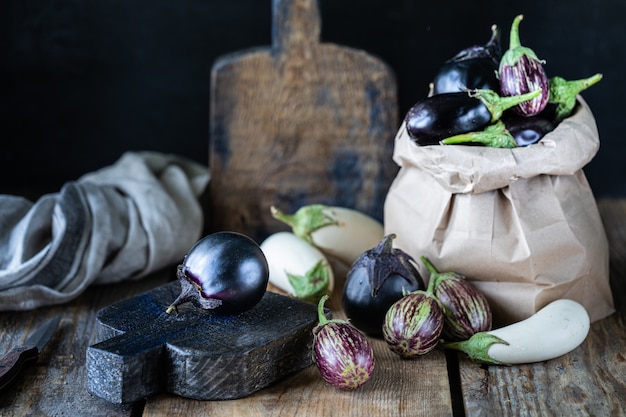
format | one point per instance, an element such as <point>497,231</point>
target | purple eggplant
<point>521,71</point>
<point>529,130</point>
<point>342,354</point>
<point>443,115</point>
<point>375,281</point>
<point>472,68</point>
<point>413,325</point>
<point>466,310</point>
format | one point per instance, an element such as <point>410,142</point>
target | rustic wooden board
<point>57,384</point>
<point>398,388</point>
<point>197,353</point>
<point>297,123</point>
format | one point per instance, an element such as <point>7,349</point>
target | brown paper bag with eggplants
<point>521,224</point>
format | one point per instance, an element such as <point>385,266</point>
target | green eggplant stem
<point>516,50</point>
<point>434,274</point>
<point>477,347</point>
<point>497,104</point>
<point>514,41</point>
<point>320,310</point>
<point>493,136</point>
<point>313,284</point>
<point>305,220</point>
<point>563,92</point>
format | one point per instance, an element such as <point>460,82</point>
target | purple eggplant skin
<point>343,355</point>
<point>529,130</point>
<point>466,310</point>
<point>468,74</point>
<point>413,325</point>
<point>472,68</point>
<point>443,115</point>
<point>376,280</point>
<point>522,71</point>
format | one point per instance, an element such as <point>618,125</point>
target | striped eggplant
<point>342,354</point>
<point>413,325</point>
<point>466,310</point>
<point>521,71</point>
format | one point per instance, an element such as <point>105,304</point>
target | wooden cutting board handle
<point>299,122</point>
<point>296,26</point>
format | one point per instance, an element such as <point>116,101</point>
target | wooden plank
<point>196,353</point>
<point>298,123</point>
<point>398,387</point>
<point>589,381</point>
<point>57,384</point>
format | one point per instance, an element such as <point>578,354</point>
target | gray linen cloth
<point>121,222</point>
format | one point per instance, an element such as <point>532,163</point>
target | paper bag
<point>521,224</point>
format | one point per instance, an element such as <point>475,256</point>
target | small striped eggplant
<point>521,71</point>
<point>413,325</point>
<point>342,354</point>
<point>466,310</point>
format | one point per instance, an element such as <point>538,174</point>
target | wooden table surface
<point>590,381</point>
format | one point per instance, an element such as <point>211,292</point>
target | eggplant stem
<point>306,220</point>
<point>497,104</point>
<point>493,136</point>
<point>514,41</point>
<point>320,310</point>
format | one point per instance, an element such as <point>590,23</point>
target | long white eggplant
<point>555,330</point>
<point>297,267</point>
<point>338,231</point>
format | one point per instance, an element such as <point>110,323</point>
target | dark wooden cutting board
<point>196,354</point>
<point>297,123</point>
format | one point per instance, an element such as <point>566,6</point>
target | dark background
<point>82,81</point>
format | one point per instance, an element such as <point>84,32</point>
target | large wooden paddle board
<point>298,123</point>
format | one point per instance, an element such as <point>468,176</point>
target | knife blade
<point>14,361</point>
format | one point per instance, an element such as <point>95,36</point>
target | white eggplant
<point>555,330</point>
<point>297,267</point>
<point>338,231</point>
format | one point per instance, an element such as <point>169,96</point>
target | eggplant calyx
<point>494,136</point>
<point>191,292</point>
<point>516,50</point>
<point>477,347</point>
<point>563,92</point>
<point>497,104</point>
<point>306,219</point>
<point>382,261</point>
<point>314,283</point>
<point>321,317</point>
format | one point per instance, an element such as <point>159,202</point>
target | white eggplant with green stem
<point>553,331</point>
<point>297,267</point>
<point>338,231</point>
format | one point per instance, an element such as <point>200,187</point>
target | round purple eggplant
<point>413,325</point>
<point>342,354</point>
<point>466,310</point>
<point>376,280</point>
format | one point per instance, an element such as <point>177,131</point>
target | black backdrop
<point>82,81</point>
